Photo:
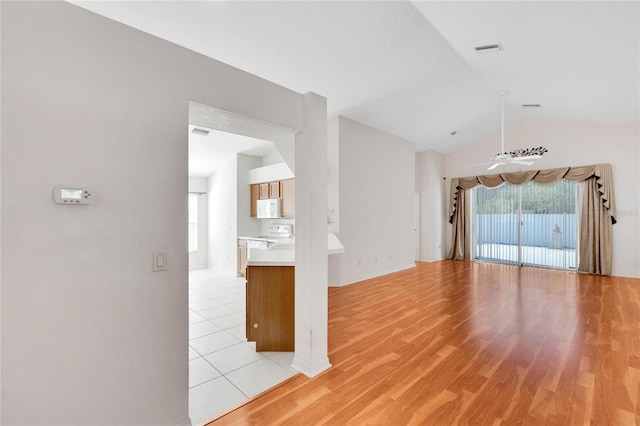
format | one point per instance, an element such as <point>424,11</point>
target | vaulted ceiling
<point>411,68</point>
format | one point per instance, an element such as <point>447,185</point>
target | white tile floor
<point>224,369</point>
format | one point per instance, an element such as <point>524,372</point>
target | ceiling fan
<point>518,156</point>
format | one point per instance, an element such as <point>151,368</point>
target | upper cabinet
<point>269,189</point>
<point>274,189</point>
<point>264,190</point>
<point>288,190</point>
<point>255,196</point>
<point>285,190</point>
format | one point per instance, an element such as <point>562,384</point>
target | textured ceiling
<point>410,68</point>
<point>208,153</point>
<point>579,60</point>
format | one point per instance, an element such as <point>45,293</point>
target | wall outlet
<point>159,261</point>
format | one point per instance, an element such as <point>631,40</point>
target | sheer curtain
<point>597,211</point>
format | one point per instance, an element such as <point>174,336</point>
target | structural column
<point>311,292</point>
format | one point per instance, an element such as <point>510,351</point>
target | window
<point>193,223</point>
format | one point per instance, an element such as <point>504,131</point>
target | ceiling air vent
<point>488,48</point>
<point>531,105</point>
<point>200,132</point>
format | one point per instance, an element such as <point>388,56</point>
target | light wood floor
<point>470,343</point>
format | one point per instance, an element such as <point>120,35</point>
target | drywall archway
<point>308,148</point>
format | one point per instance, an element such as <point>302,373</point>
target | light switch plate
<point>159,261</point>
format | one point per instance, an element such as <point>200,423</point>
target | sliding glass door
<point>529,224</point>
<point>496,233</point>
<point>549,224</point>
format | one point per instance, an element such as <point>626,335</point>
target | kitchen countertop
<point>273,256</point>
<point>283,253</point>
<point>259,237</point>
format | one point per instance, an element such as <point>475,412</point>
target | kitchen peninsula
<point>283,252</point>
<point>271,294</point>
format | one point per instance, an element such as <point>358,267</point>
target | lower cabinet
<point>242,257</point>
<point>270,307</point>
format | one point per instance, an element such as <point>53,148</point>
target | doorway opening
<point>224,368</point>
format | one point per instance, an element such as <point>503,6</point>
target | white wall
<point>223,217</point>
<point>200,258</point>
<point>269,173</point>
<point>229,212</point>
<point>246,224</point>
<point>272,157</point>
<point>198,184</point>
<point>432,192</point>
<point>333,193</point>
<point>333,178</point>
<point>89,333</point>
<point>376,202</point>
<point>576,144</point>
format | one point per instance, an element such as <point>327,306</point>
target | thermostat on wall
<point>65,194</point>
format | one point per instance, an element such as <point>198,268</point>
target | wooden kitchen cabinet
<point>270,307</point>
<point>274,189</point>
<point>285,190</point>
<point>255,196</point>
<point>264,190</point>
<point>288,193</point>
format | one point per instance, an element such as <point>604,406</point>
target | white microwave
<point>269,208</point>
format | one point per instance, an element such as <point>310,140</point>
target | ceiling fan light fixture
<point>528,152</point>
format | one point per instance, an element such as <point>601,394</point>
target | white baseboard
<point>375,275</point>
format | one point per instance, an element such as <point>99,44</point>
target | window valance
<point>602,173</point>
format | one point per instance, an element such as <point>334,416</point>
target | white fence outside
<point>537,229</point>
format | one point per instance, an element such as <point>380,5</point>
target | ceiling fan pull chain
<point>502,104</point>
